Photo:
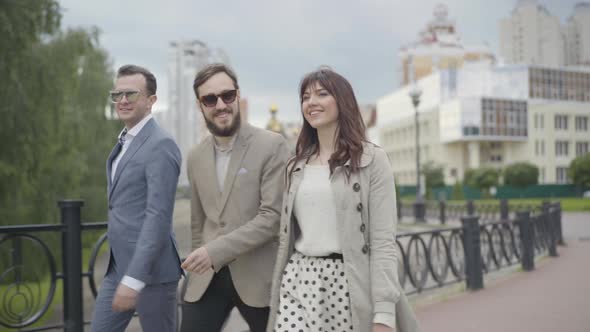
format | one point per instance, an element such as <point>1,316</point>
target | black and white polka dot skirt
<point>313,296</point>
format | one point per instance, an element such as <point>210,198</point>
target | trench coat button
<point>285,209</point>
<point>285,229</point>
<point>359,207</point>
<point>362,228</point>
<point>356,187</point>
<point>222,224</point>
<point>365,249</point>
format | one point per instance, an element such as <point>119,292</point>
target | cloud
<point>272,44</point>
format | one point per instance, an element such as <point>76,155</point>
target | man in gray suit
<point>237,179</point>
<point>142,175</point>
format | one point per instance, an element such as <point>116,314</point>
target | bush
<point>579,171</point>
<point>521,174</point>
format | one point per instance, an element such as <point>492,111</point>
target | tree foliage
<point>521,174</point>
<point>482,178</point>
<point>579,171</point>
<point>434,175</point>
<point>54,134</point>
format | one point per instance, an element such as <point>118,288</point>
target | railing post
<point>442,212</point>
<point>558,226</point>
<point>526,238</point>
<point>472,248</point>
<point>551,226</point>
<point>420,211</point>
<point>72,265</point>
<point>470,206</point>
<point>504,210</point>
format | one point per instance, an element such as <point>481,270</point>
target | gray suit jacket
<point>141,202</point>
<point>238,224</point>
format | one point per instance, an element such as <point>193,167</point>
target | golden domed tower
<point>274,124</point>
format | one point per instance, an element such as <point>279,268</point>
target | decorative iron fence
<point>29,270</point>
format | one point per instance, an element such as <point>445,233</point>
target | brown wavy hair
<point>350,131</point>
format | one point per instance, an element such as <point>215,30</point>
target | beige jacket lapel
<point>237,155</point>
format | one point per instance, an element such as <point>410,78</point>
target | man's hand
<point>125,298</point>
<point>198,261</point>
<point>382,328</point>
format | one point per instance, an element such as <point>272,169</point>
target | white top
<point>316,213</point>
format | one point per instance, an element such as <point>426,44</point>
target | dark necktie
<point>122,137</point>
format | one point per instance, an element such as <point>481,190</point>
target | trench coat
<point>366,210</point>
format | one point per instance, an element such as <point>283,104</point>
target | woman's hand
<point>382,328</point>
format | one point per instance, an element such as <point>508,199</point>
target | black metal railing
<point>30,271</point>
<point>435,258</point>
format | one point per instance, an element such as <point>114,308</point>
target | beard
<point>227,131</point>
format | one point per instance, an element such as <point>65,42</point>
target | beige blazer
<point>366,212</point>
<point>238,224</point>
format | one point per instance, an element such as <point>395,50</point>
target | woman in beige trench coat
<point>336,268</point>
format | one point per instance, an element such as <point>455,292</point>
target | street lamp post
<point>419,204</point>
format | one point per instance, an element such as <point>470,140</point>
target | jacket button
<point>285,209</point>
<point>362,228</point>
<point>222,224</point>
<point>365,249</point>
<point>356,187</point>
<point>110,207</point>
<point>285,230</point>
<point>359,207</point>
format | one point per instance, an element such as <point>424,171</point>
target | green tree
<point>433,173</point>
<point>521,174</point>
<point>579,171</point>
<point>483,178</point>
<point>22,26</point>
<point>54,134</point>
<point>469,177</point>
<point>458,191</point>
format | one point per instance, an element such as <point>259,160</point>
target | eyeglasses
<point>117,96</point>
<point>228,97</point>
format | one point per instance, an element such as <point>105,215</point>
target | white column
<point>473,155</point>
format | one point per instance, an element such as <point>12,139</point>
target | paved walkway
<point>554,297</point>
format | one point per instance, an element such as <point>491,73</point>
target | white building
<point>531,35</point>
<point>577,32</point>
<point>439,47</point>
<point>183,118</point>
<point>482,115</point>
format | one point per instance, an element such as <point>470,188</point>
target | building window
<point>542,175</point>
<point>561,175</point>
<point>496,158</point>
<point>581,148</point>
<point>581,123</point>
<point>561,122</point>
<point>561,148</point>
<point>539,148</point>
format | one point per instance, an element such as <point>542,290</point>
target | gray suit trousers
<point>156,307</point>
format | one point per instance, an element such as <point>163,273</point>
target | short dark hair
<point>206,73</point>
<point>150,79</point>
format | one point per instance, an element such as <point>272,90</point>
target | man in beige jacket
<point>237,179</point>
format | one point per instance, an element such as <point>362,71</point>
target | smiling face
<point>223,118</point>
<point>319,107</point>
<point>132,112</point>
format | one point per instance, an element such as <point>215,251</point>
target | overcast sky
<point>272,44</point>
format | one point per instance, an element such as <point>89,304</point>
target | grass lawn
<point>567,204</point>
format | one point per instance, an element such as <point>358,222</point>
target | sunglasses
<point>228,97</point>
<point>117,96</point>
